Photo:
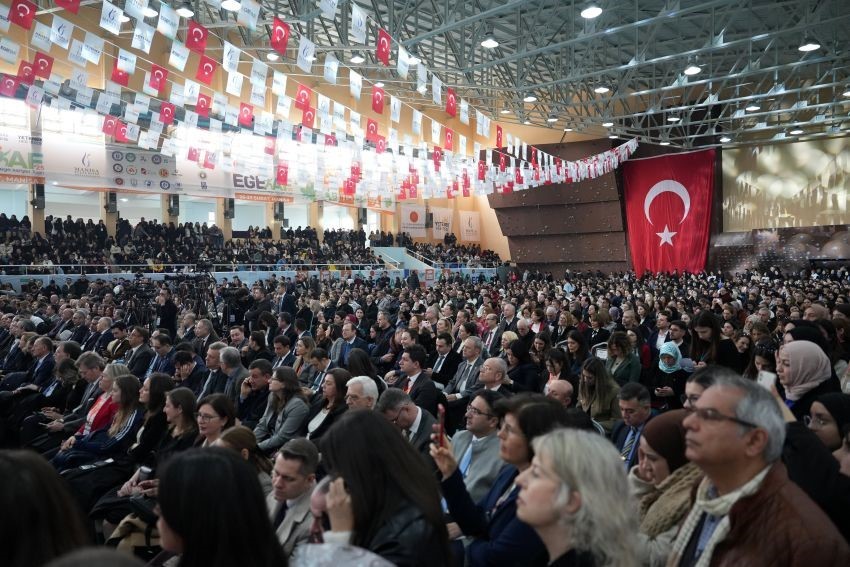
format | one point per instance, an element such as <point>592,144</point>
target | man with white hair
<point>362,393</point>
<point>746,510</point>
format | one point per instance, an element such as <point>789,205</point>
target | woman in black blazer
<point>328,404</point>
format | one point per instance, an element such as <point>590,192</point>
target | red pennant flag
<point>508,188</point>
<point>279,36</point>
<point>668,211</point>
<point>43,65</point>
<point>378,100</point>
<point>498,136</point>
<point>282,174</point>
<point>9,85</point>
<point>72,6</point>
<point>269,145</point>
<point>109,125</point>
<point>303,97</point>
<point>196,37</point>
<point>330,140</point>
<point>119,76</point>
<point>402,194</point>
<point>384,44</point>
<point>26,73</point>
<point>355,171</point>
<point>159,75</point>
<point>297,130</point>
<point>166,113</point>
<point>451,102</point>
<point>466,191</point>
<point>192,154</point>
<point>206,69</point>
<point>121,132</point>
<point>308,117</point>
<point>246,115</point>
<point>371,130</point>
<point>449,139</point>
<point>210,159</point>
<point>380,145</point>
<point>437,156</point>
<point>533,157</point>
<point>22,13</point>
<point>202,107</point>
<point>411,192</point>
<point>518,176</point>
<point>482,170</point>
<point>503,162</point>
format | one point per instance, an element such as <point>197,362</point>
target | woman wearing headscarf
<point>828,416</point>
<point>669,378</point>
<point>805,373</point>
<point>662,482</point>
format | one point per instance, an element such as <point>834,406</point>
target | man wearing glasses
<point>746,510</point>
<point>476,449</point>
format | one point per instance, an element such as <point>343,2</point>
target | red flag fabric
<point>109,124</point>
<point>72,6</point>
<point>482,170</point>
<point>668,211</point>
<point>383,43</point>
<point>9,85</point>
<point>196,37</point>
<point>303,96</point>
<point>193,154</point>
<point>206,69</point>
<point>451,102</point>
<point>246,115</point>
<point>121,132</point>
<point>26,72</point>
<point>282,176</point>
<point>503,162</point>
<point>449,139</point>
<point>308,117</point>
<point>371,130</point>
<point>269,146</point>
<point>498,136</point>
<point>202,107</point>
<point>158,77</point>
<point>22,12</point>
<point>378,100</point>
<point>42,65</point>
<point>380,145</point>
<point>279,36</point>
<point>209,160</point>
<point>119,76</point>
<point>166,113</point>
<point>438,156</point>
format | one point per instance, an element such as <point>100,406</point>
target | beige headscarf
<point>809,367</point>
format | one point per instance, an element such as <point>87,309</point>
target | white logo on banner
<point>470,229</point>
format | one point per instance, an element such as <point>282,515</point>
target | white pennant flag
<point>395,109</point>
<point>279,83</point>
<point>168,22</point>
<point>92,48</point>
<point>436,90</point>
<point>464,112</point>
<point>323,105</point>
<point>126,61</point>
<point>355,123</point>
<point>230,57</point>
<point>403,64</point>
<point>258,95</point>
<point>421,78</point>
<point>191,90</point>
<point>61,32</point>
<point>143,37</point>
<point>328,8</point>
<point>110,17</point>
<point>355,84</point>
<point>358,23</point>
<point>259,73</point>
<point>179,56</point>
<point>249,11</point>
<point>284,104</point>
<point>331,68</point>
<point>136,8</point>
<point>306,54</point>
<point>40,35</point>
<point>234,84</point>
<point>416,123</point>
<point>435,132</point>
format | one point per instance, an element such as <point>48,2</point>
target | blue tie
<point>466,459</point>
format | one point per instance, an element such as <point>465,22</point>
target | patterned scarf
<point>666,506</point>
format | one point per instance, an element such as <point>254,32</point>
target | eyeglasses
<point>205,417</point>
<point>476,411</point>
<point>690,400</point>
<point>815,422</point>
<point>394,420</point>
<point>711,414</point>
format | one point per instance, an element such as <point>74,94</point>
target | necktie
<point>439,363</point>
<point>466,459</point>
<point>630,442</point>
<point>320,377</point>
<point>280,515</point>
<point>153,367</point>
<point>461,385</point>
<point>278,362</point>
<point>489,339</point>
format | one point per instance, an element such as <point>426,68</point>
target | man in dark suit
<point>204,336</point>
<point>39,374</point>
<point>284,356</point>
<point>287,300</point>
<point>416,384</point>
<point>163,361</point>
<point>261,303</point>
<point>254,393</point>
<point>351,341</point>
<point>509,319</point>
<point>63,324</point>
<point>188,373</point>
<point>231,365</point>
<point>444,361</point>
<point>105,337</point>
<point>116,348</point>
<point>81,330</point>
<point>492,337</point>
<point>139,355</point>
<point>660,335</point>
<point>215,381</point>
<point>635,410</point>
<point>415,423</point>
<point>381,355</point>
<point>679,335</point>
<point>285,326</point>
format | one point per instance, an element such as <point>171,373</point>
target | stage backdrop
<point>668,210</point>
<point>786,185</point>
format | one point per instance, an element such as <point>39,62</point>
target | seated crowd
<point>457,255</point>
<point>159,246</point>
<point>680,420</point>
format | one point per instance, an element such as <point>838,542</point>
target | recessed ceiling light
<point>752,108</point>
<point>591,12</point>
<point>150,12</point>
<point>673,119</point>
<point>552,118</point>
<point>490,43</point>
<point>357,59</point>
<point>725,139</point>
<point>185,10</point>
<point>272,56</point>
<point>664,143</point>
<point>607,124</point>
<point>613,136</point>
<point>379,84</point>
<point>231,5</point>
<point>692,69</point>
<point>808,44</point>
<point>530,98</point>
<point>568,129</point>
<point>796,132</point>
<point>601,89</point>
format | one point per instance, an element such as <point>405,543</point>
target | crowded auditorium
<point>253,315</point>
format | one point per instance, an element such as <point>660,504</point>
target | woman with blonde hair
<point>576,498</point>
<point>597,393</point>
<point>302,366</point>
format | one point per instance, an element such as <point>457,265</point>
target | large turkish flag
<point>668,211</point>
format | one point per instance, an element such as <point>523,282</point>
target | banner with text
<point>442,222</point>
<point>470,226</point>
<point>413,220</point>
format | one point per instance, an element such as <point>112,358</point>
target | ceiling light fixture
<point>673,119</point>
<point>552,118</point>
<point>185,10</point>
<point>526,122</point>
<point>752,108</point>
<point>591,11</point>
<point>231,5</point>
<point>808,44</point>
<point>150,12</point>
<point>664,143</point>
<point>489,40</point>
<point>568,129</point>
<point>601,89</point>
<point>379,84</point>
<point>725,139</point>
<point>505,110</point>
<point>530,98</point>
<point>796,132</point>
<point>607,124</point>
<point>692,70</point>
<point>613,136</point>
<point>846,93</point>
<point>272,56</point>
<point>357,59</point>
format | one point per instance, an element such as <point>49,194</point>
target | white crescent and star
<point>667,186</point>
<point>385,44</point>
<point>208,68</point>
<point>199,36</point>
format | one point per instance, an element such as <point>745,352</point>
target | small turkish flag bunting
<point>203,105</point>
<point>193,154</point>
<point>9,85</point>
<point>371,130</point>
<point>109,125</point>
<point>206,69</point>
<point>196,37</point>
<point>119,76</point>
<point>303,97</point>
<point>22,12</point>
<point>437,156</point>
<point>498,136</point>
<point>158,77</point>
<point>280,36</point>
<point>121,132</point>
<point>451,102</point>
<point>72,6</point>
<point>42,65</point>
<point>384,44</point>
<point>450,139</point>
<point>378,100</point>
<point>380,145</point>
<point>166,113</point>
<point>308,117</point>
<point>26,73</point>
<point>482,170</point>
<point>246,115</point>
<point>282,176</point>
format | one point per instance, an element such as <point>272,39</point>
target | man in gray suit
<point>476,449</point>
<point>293,479</point>
<point>416,424</point>
<point>492,337</point>
<point>463,384</point>
<point>231,364</point>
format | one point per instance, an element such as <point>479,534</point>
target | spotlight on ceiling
<point>526,122</point>
<point>185,10</point>
<point>607,124</point>
<point>752,108</point>
<point>725,139</point>
<point>673,119</point>
<point>591,11</point>
<point>357,59</point>
<point>530,98</point>
<point>692,70</point>
<point>489,40</point>
<point>231,5</point>
<point>150,12</point>
<point>808,44</point>
<point>601,89</point>
<point>796,132</point>
<point>613,136</point>
<point>664,143</point>
<point>552,118</point>
<point>568,129</point>
<point>124,18</point>
<point>846,93</point>
<point>272,56</point>
<point>379,84</point>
